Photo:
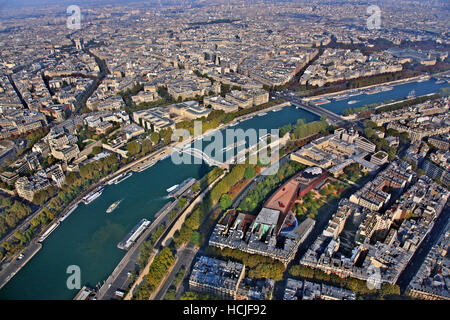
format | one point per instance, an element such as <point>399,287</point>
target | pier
<point>119,276</point>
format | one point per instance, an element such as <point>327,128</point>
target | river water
<point>88,238</point>
<point>400,91</point>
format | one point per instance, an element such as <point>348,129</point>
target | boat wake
<point>163,198</point>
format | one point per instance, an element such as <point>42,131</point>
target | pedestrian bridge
<point>201,155</point>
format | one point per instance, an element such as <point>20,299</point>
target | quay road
<point>25,223</point>
<point>186,255</point>
<point>420,254</point>
<point>184,260</point>
<point>15,265</point>
<point>167,237</point>
<point>11,269</point>
<point>290,96</point>
<point>119,277</point>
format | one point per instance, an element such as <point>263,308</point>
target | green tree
<point>368,133</point>
<point>133,148</point>
<point>181,203</point>
<point>40,197</point>
<point>144,254</point>
<point>249,173</point>
<point>389,289</point>
<point>166,135</point>
<point>301,271</point>
<point>20,236</point>
<point>369,124</point>
<point>146,146</point>
<point>96,150</point>
<point>196,238</point>
<point>225,202</point>
<point>154,136</point>
<point>71,178</point>
<point>157,233</point>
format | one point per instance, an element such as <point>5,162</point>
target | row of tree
<point>42,196</point>
<point>206,180</point>
<point>254,198</point>
<point>350,110</point>
<point>144,254</point>
<point>134,148</point>
<point>158,269</point>
<point>381,143</point>
<point>311,206</point>
<point>11,213</point>
<point>190,232</point>
<point>301,129</point>
<point>356,285</point>
<point>257,266</point>
<point>217,117</point>
<point>192,295</point>
<point>223,186</point>
<point>405,104</point>
<point>76,183</point>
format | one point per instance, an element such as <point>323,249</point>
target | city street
<point>421,253</point>
<point>14,266</point>
<point>103,107</point>
<point>119,277</point>
<point>185,257</point>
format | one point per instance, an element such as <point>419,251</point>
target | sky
<point>8,4</point>
<point>15,3</point>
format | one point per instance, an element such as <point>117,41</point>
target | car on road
<point>119,293</point>
<point>20,257</point>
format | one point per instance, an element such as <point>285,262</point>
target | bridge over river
<point>332,117</point>
<point>239,157</point>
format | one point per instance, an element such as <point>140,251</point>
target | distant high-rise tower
<point>78,44</point>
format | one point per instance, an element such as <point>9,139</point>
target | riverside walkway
<point>169,237</point>
<point>120,274</point>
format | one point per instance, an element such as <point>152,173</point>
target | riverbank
<point>131,256</point>
<point>404,100</point>
<point>16,265</point>
<point>232,123</point>
<point>169,236</point>
<point>11,269</point>
<point>393,83</point>
<point>136,165</point>
<point>365,99</point>
<point>94,245</point>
